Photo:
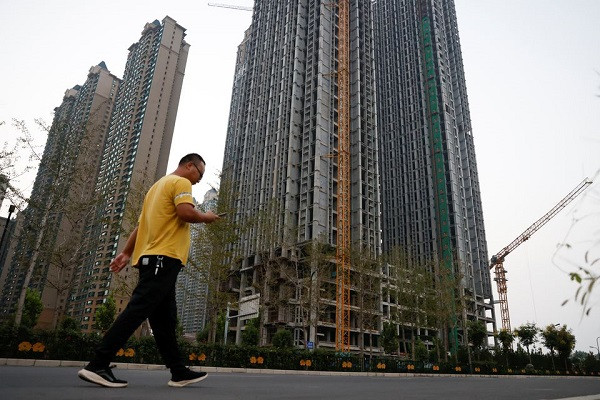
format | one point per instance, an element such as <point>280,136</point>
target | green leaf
<point>575,277</point>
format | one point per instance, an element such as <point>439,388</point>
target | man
<point>159,248</point>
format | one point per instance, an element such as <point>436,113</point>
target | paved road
<point>49,383</point>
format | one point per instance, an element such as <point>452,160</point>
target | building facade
<point>280,155</point>
<point>431,202</point>
<point>49,242</point>
<point>192,282</point>
<point>134,156</point>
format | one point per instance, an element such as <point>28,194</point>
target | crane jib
<point>499,257</point>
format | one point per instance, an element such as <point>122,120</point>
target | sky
<point>533,79</point>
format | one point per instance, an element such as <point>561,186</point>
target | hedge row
<point>74,345</point>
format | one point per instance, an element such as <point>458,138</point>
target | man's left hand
<point>119,262</point>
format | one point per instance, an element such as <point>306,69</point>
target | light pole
<point>226,325</point>
<point>597,347</point>
<point>11,209</point>
<point>228,317</point>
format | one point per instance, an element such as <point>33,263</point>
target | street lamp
<point>597,347</point>
<point>11,209</point>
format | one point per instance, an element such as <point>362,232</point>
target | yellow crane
<point>497,261</point>
<point>342,340</point>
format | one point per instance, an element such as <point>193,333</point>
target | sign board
<point>249,307</point>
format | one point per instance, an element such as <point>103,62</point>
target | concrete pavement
<point>149,382</point>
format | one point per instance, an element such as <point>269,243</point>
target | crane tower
<point>497,261</point>
<point>342,342</point>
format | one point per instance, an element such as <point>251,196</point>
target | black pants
<point>153,298</point>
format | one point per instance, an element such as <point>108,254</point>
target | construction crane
<point>234,7</point>
<point>342,341</point>
<point>497,261</point>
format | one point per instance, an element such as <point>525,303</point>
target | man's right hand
<point>186,212</point>
<point>210,217</point>
<point>119,262</point>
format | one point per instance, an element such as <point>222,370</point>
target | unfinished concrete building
<point>431,203</point>
<point>192,281</point>
<point>280,157</point>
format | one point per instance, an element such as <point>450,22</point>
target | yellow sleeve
<point>182,192</point>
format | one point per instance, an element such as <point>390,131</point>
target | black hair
<point>193,157</point>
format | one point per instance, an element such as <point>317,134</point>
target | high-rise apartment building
<point>192,282</point>
<point>431,203</point>
<point>280,156</point>
<point>49,242</point>
<point>135,155</point>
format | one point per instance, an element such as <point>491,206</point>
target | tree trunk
<point>31,267</point>
<point>412,342</point>
<point>404,340</point>
<point>445,330</point>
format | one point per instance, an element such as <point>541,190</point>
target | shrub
<point>250,333</point>
<point>283,339</point>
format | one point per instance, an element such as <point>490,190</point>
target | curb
<point>154,367</point>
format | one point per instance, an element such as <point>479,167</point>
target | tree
<point>317,258</point>
<point>477,334</point>
<point>202,336</point>
<point>250,333</point>
<point>214,259</point>
<point>506,339</point>
<point>105,314</point>
<point>421,352</point>
<point>565,344</point>
<point>18,158</point>
<point>179,328</point>
<point>389,338</point>
<point>32,308</point>
<point>61,205</point>
<point>550,340</point>
<point>69,324</point>
<point>527,334</point>
<point>365,280</point>
<point>283,339</point>
<point>420,298</point>
<point>450,306</point>
<point>406,292</point>
<point>218,327</point>
<point>590,363</point>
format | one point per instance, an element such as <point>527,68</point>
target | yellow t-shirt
<point>160,231</point>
